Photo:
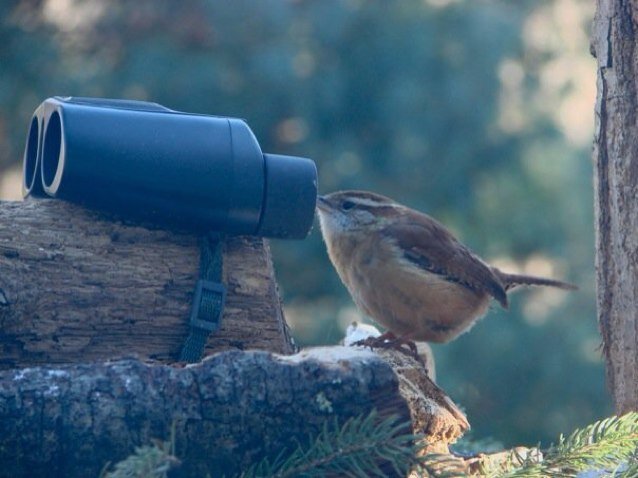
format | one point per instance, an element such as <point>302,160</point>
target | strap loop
<point>208,299</point>
<point>208,305</point>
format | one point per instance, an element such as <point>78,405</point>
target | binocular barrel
<point>145,161</point>
<point>31,182</point>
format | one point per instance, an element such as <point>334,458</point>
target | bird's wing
<point>428,245</point>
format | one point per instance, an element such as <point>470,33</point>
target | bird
<point>407,271</point>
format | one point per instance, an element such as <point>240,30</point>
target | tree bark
<point>227,412</point>
<point>614,43</point>
<point>77,286</point>
<point>432,412</point>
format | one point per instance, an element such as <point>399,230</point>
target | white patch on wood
<point>357,331</point>
<point>331,355</point>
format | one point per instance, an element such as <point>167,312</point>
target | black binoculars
<point>145,161</point>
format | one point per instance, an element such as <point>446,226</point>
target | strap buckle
<point>208,305</point>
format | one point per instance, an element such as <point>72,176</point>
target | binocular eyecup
<point>145,161</point>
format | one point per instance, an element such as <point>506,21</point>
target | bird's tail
<point>510,281</point>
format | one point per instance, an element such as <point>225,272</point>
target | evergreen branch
<point>629,469</point>
<point>356,449</point>
<point>359,448</point>
<point>149,461</point>
<point>602,445</point>
<point>367,446</point>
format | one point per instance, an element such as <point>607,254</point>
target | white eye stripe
<point>368,202</point>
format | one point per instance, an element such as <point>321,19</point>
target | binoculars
<point>148,162</point>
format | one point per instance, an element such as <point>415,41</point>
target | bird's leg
<point>378,342</point>
<point>411,351</point>
<point>388,340</point>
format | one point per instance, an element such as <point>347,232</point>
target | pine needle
<point>358,449</point>
<point>604,445</point>
<point>149,461</point>
<point>368,446</point>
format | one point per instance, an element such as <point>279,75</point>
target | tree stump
<point>228,411</point>
<point>79,286</point>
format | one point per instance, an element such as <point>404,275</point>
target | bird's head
<point>352,211</point>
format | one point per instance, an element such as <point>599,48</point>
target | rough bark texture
<point>432,412</point>
<point>76,286</point>
<point>228,411</point>
<point>614,43</point>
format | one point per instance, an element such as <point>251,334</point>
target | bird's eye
<point>347,205</point>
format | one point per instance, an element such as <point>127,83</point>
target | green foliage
<point>606,448</point>
<point>148,461</point>
<point>628,471</point>
<point>604,445</point>
<point>359,448</point>
<point>368,446</point>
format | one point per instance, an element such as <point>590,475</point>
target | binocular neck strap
<point>208,299</point>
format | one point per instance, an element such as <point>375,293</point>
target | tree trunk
<point>228,412</point>
<point>614,43</point>
<point>76,286</point>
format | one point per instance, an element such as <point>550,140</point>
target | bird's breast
<point>405,299</point>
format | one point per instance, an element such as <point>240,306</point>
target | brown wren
<point>407,271</point>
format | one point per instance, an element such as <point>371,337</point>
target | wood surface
<point>228,411</point>
<point>614,40</point>
<point>78,286</point>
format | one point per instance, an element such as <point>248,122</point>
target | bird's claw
<point>406,347</point>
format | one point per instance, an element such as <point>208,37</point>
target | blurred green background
<point>477,112</point>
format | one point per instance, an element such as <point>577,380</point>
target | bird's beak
<point>323,204</point>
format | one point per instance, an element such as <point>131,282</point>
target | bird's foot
<point>388,340</point>
<point>381,341</point>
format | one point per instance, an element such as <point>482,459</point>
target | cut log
<point>227,412</point>
<point>78,286</point>
<point>433,414</point>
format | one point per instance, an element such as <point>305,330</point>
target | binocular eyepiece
<point>145,161</point>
